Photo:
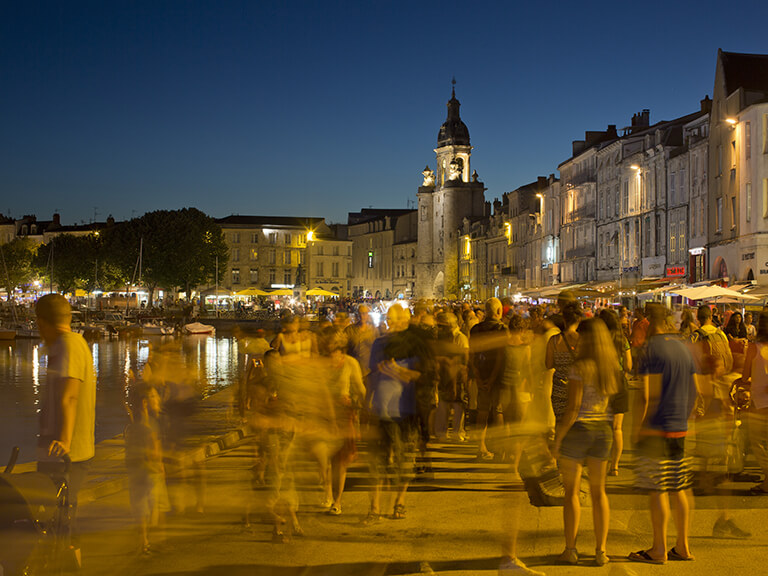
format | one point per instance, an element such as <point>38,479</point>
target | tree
<point>16,259</point>
<point>180,248</point>
<point>78,262</point>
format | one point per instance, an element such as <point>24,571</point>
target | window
<point>253,275</point>
<point>658,235</point>
<point>647,231</point>
<point>335,250</point>
<point>733,212</point>
<point>255,237</point>
<point>349,269</point>
<point>272,275</point>
<point>287,277</point>
<point>235,237</point>
<point>235,275</point>
<point>681,238</point>
<point>672,247</point>
<point>748,140</point>
<point>765,133</point>
<point>672,188</point>
<point>748,207</point>
<point>319,269</point>
<point>287,258</point>
<point>719,160</point>
<point>254,254</point>
<point>370,257</point>
<point>625,196</point>
<point>733,154</point>
<point>288,239</point>
<point>319,250</point>
<point>719,215</point>
<point>235,254</point>
<point>272,256</point>
<point>625,250</point>
<point>765,197</point>
<point>273,237</point>
<point>335,269</point>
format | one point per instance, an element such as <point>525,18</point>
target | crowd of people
<point>544,389</point>
<point>499,377</point>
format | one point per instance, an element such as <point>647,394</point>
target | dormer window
<point>33,229</point>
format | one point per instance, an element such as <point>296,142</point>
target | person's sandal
<point>613,472</point>
<point>399,512</point>
<point>371,519</point>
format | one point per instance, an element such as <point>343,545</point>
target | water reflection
<point>210,363</point>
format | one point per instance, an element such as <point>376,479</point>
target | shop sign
<point>629,269</point>
<point>675,271</point>
<point>748,256</point>
<point>764,270</point>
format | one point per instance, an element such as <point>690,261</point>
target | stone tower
<point>445,199</point>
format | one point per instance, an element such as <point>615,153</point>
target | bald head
<point>54,310</point>
<point>493,309</point>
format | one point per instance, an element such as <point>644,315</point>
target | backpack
<point>717,357</point>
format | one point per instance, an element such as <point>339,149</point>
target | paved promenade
<point>452,527</point>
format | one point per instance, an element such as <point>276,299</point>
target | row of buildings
<point>652,202</point>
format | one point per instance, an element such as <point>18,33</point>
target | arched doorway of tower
<point>438,286</point>
<point>720,270</point>
<point>750,275</point>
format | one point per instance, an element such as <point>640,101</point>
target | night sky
<point>322,108</point>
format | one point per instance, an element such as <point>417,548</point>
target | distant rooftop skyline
<point>319,110</point>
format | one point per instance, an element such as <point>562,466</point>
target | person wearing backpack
<point>714,412</point>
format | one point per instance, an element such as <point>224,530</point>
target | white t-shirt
<point>70,357</point>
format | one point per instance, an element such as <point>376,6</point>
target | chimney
<point>645,117</point>
<point>611,132</point>
<point>706,104</point>
<point>578,147</point>
<point>56,220</point>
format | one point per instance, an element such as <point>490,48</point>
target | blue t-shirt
<point>667,355</point>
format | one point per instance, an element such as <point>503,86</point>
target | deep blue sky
<point>322,108</point>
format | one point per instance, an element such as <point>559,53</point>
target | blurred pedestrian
<point>585,435</point>
<point>68,411</point>
<point>665,403</point>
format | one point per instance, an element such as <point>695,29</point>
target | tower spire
<point>453,87</point>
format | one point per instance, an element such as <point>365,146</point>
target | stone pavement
<point>453,524</point>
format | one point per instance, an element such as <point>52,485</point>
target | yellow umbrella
<point>320,292</point>
<point>281,292</point>
<point>251,292</point>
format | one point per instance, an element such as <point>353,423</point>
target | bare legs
<point>571,471</point>
<point>660,519</point>
<point>618,443</point>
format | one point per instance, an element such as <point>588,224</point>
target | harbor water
<point>210,363</point>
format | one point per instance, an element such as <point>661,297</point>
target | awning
<point>251,292</point>
<point>320,292</point>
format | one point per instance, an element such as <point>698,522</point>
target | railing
<point>580,252</point>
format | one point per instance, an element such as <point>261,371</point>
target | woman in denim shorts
<point>586,434</point>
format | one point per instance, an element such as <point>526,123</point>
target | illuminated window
<point>235,275</point>
<point>254,254</point>
<point>370,259</point>
<point>681,238</point>
<point>672,230</point>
